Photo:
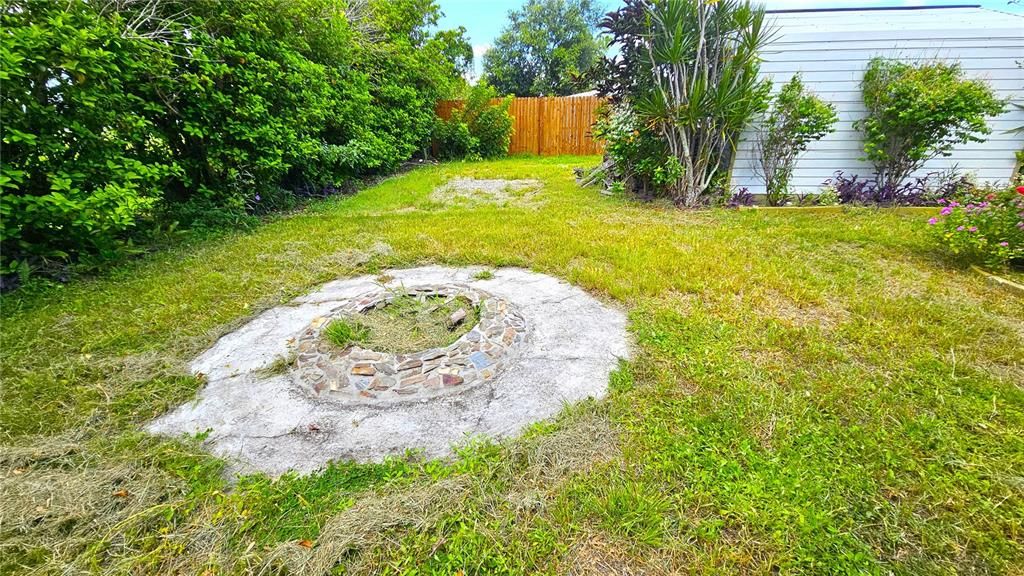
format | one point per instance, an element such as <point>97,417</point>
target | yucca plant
<point>703,63</point>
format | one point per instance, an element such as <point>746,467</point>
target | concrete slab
<point>266,422</point>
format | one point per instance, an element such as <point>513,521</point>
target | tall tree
<point>545,48</point>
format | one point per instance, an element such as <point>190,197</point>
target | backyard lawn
<point>813,391</point>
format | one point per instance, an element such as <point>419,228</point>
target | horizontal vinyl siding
<point>831,51</point>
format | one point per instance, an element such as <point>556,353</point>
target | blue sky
<point>484,19</point>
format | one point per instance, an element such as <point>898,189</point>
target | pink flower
<point>959,228</point>
<point>946,211</point>
<point>933,221</point>
<point>941,201</point>
<point>972,229</point>
<point>1004,244</point>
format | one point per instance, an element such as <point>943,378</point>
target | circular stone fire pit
<point>357,374</point>
<point>281,396</point>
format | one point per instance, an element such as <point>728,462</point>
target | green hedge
<point>115,124</point>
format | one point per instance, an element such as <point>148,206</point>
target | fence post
<point>540,125</point>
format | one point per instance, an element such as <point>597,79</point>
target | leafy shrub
<point>453,139</point>
<point>855,190</point>
<point>795,119</point>
<point>741,197</point>
<point>636,159</point>
<point>983,225</point>
<point>480,128</point>
<point>84,159</point>
<point>117,121</point>
<point>920,191</point>
<point>827,196</point>
<point>919,112</point>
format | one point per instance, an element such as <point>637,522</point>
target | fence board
<point>547,126</point>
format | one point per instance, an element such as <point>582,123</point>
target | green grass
<point>343,333</point>
<point>406,324</point>
<point>813,392</point>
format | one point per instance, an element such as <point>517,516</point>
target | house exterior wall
<point>831,51</point>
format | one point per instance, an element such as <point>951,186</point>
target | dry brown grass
<point>531,474</point>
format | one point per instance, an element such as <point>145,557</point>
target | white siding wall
<point>831,50</point>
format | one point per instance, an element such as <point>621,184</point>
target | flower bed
<point>983,225</point>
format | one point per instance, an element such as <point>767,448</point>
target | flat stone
<point>432,354</point>
<point>509,336</point>
<point>360,382</point>
<point>480,360</point>
<point>366,355</point>
<point>381,383</point>
<point>364,369</point>
<point>433,382</point>
<point>386,368</point>
<point>412,380</point>
<point>451,379</point>
<point>410,364</point>
<point>472,336</point>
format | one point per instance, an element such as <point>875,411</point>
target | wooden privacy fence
<point>547,126</point>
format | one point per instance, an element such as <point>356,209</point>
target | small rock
<point>364,369</point>
<point>457,317</point>
<point>432,382</point>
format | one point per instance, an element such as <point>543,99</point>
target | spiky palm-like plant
<point>703,58</point>
<point>689,70</point>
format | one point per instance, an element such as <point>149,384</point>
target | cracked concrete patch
<point>263,421</point>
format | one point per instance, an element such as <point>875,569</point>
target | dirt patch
<point>596,556</point>
<point>473,191</point>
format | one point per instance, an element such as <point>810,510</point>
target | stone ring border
<point>363,376</point>
<point>251,413</point>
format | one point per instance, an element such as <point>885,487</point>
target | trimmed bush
<point>795,119</point>
<point>916,112</point>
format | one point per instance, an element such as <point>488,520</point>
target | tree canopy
<point>545,48</point>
